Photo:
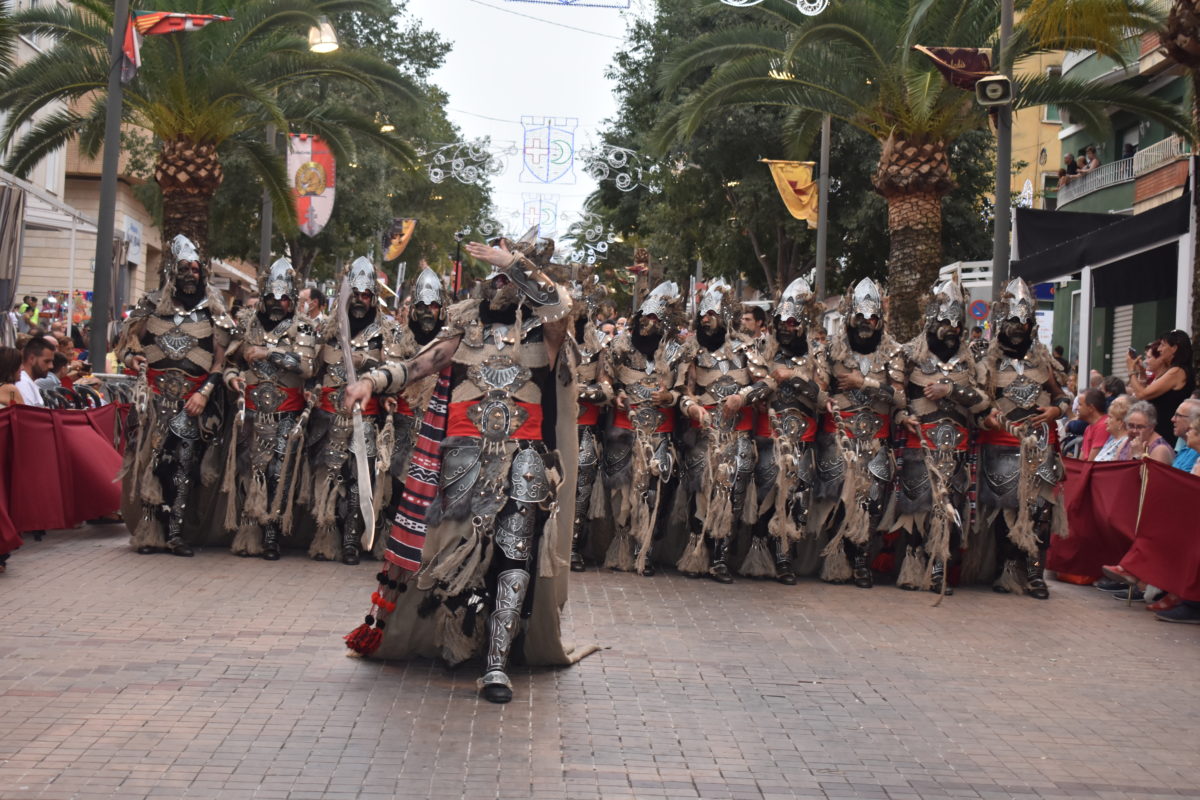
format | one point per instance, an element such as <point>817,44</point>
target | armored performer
<point>594,392</point>
<point>1020,470</point>
<point>268,362</point>
<point>347,447</point>
<point>786,444</point>
<point>499,531</point>
<point>855,466</point>
<point>176,339</point>
<point>944,402</point>
<point>647,365</point>
<point>726,377</point>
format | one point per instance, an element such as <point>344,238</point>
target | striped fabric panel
<point>421,483</point>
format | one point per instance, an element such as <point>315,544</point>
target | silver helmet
<point>428,288</point>
<point>949,302</point>
<point>867,299</point>
<point>184,249</point>
<point>362,275</point>
<point>657,302</point>
<point>280,280</point>
<point>715,299</point>
<point>1019,302</point>
<point>793,304</point>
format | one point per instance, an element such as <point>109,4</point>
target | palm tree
<point>856,63</point>
<point>200,94</point>
<point>1181,38</point>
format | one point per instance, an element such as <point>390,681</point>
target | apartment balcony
<point>1156,169</point>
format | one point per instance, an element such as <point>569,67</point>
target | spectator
<point>1185,416</point>
<point>10,370</point>
<point>1060,359</point>
<point>1117,408</point>
<point>976,333</point>
<point>1095,380</point>
<point>622,323</point>
<point>754,320</point>
<point>1070,170</point>
<point>37,358</point>
<point>1144,440</point>
<point>57,377</point>
<point>1113,388</point>
<point>1192,440</point>
<point>1091,411</point>
<point>1090,161</point>
<point>609,329</point>
<point>1128,150</point>
<point>313,303</point>
<point>1169,361</point>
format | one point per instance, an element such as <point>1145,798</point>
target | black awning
<point>1039,230</point>
<point>1146,276</point>
<point>1105,243</point>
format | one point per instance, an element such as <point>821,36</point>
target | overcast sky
<point>515,58</point>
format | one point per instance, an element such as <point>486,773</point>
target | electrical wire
<point>548,22</point>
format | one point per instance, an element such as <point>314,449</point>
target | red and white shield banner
<point>313,172</point>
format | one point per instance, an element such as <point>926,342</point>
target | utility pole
<point>106,219</point>
<point>268,212</point>
<point>823,208</point>
<point>1002,217</point>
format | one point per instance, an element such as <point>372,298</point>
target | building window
<point>1049,191</point>
<point>1051,113</point>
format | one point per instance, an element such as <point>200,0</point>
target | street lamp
<point>322,38</point>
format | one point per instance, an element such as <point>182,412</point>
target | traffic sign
<point>979,309</point>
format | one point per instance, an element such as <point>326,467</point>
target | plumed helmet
<point>362,275</point>
<point>866,299</point>
<point>586,291</point>
<point>184,249</point>
<point>716,300</point>
<point>949,302</point>
<point>1018,301</point>
<point>795,302</point>
<point>279,281</point>
<point>427,288</point>
<point>659,299</point>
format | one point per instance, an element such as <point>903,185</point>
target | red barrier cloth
<point>58,466</point>
<point>1102,503</point>
<point>1166,552</point>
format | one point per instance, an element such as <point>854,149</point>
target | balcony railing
<point>1100,178</point>
<point>1159,153</point>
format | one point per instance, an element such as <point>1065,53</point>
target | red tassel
<point>364,639</point>
<point>885,562</point>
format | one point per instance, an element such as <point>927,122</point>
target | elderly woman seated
<point>1115,424</point>
<point>1143,441</point>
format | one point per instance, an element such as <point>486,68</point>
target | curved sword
<point>358,444</point>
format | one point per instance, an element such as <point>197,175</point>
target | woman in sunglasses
<point>1165,379</point>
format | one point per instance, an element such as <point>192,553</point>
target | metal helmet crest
<point>659,299</point>
<point>867,299</point>
<point>362,275</point>
<point>949,302</point>
<point>280,280</point>
<point>793,302</point>
<point>184,249</point>
<point>427,288</point>
<point>1019,302</point>
<point>714,299</point>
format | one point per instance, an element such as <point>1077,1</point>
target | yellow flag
<point>796,186</point>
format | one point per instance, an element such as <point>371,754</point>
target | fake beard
<point>360,321</point>
<point>273,312</point>
<point>424,326</point>
<point>794,344</point>
<point>580,329</point>
<point>1015,340</point>
<point>710,339</point>
<point>943,344</point>
<point>646,343</point>
<point>864,344</point>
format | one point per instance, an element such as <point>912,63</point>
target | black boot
<point>862,573</point>
<point>350,544</point>
<point>177,547</point>
<point>939,578</point>
<point>784,572</point>
<point>719,571</point>
<point>577,564</point>
<point>1035,581</point>
<point>271,542</point>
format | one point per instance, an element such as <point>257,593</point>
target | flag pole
<point>106,219</point>
<point>823,208</point>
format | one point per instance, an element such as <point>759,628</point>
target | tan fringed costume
<point>270,359</point>
<point>1020,472</point>
<point>181,333</point>
<point>594,393</point>
<point>640,460</point>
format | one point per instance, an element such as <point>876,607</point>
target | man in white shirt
<point>37,360</point>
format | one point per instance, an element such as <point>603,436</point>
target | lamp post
<point>322,38</point>
<point>1001,220</point>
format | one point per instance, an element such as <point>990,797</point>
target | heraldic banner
<point>314,176</point>
<point>794,180</point>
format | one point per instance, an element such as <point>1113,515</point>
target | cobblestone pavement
<point>126,676</point>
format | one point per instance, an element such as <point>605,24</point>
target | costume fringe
<point>248,541</point>
<point>324,505</point>
<point>255,504</point>
<point>550,561</point>
<point>285,493</point>
<point>1021,532</point>
<point>620,553</point>
<point>385,443</point>
<point>758,562</point>
<point>306,485</point>
<point>208,467</point>
<point>942,518</point>
<point>1010,579</point>
<point>695,559</point>
<point>456,645</point>
<point>229,484</point>
<point>463,568</point>
<point>1059,515</point>
<point>782,494</point>
<point>750,506</point>
<point>913,572</point>
<point>597,507</point>
<point>149,532</point>
<point>326,542</point>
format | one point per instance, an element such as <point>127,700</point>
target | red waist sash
<point>828,425</point>
<point>1006,439</point>
<point>402,406</point>
<point>589,413</point>
<point>621,420</point>
<point>810,430</point>
<point>294,399</point>
<point>459,424</point>
<point>911,440</point>
<point>745,421</point>
<point>370,408</point>
<point>153,376</point>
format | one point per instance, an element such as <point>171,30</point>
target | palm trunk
<point>186,214</point>
<point>189,174</point>
<point>915,228</point>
